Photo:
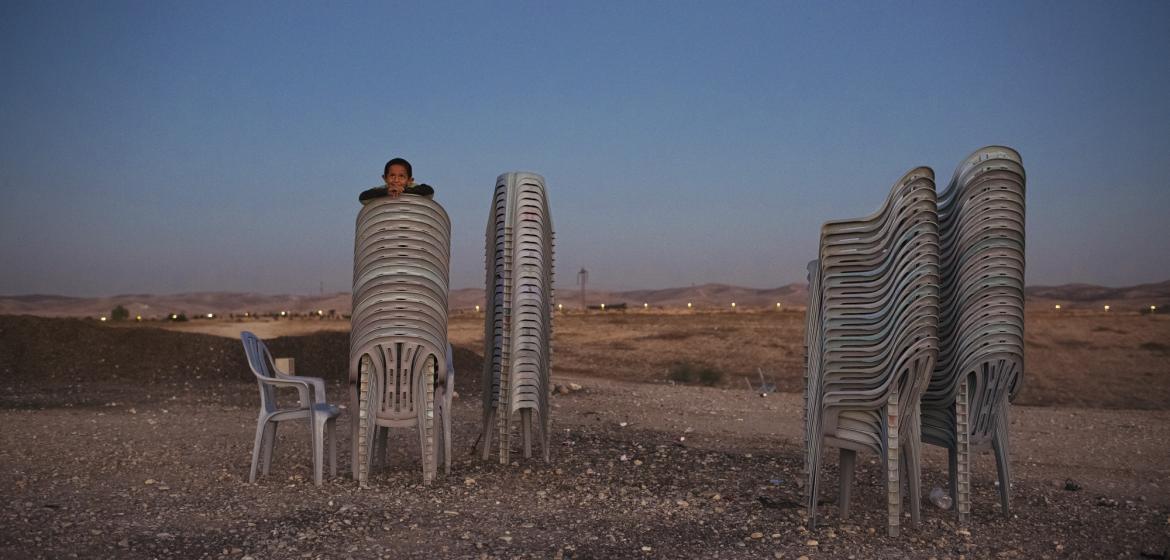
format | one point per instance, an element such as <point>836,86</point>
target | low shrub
<point>686,372</point>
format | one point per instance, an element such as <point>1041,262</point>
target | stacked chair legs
<point>873,338</point>
<point>981,359</point>
<point>518,317</point>
<point>915,331</point>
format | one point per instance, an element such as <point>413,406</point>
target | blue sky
<point>203,146</point>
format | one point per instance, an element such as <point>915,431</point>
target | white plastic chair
<point>981,326</point>
<point>312,405</point>
<point>872,341</point>
<point>400,369</point>
<point>519,246</point>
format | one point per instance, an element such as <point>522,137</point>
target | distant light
<point>210,315</point>
<point>603,307</point>
<point>320,312</point>
<point>688,305</point>
<point>1153,308</point>
<point>138,317</point>
<point>645,306</point>
<point>1058,307</point>
<point>246,314</point>
<point>173,316</point>
<point>559,306</point>
<point>1106,308</point>
<point>103,318</point>
<point>777,305</point>
<point>477,309</point>
<point>283,313</point>
<point>733,305</point>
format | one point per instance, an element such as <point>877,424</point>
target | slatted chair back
<point>981,357</point>
<point>873,340</point>
<point>263,368</point>
<point>519,245</point>
<point>398,336</point>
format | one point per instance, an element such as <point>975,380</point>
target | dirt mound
<point>69,356</point>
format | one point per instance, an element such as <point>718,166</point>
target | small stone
<point>757,535</point>
<point>870,531</point>
<point>637,463</point>
<point>469,482</point>
<point>574,387</point>
<point>646,549</point>
<point>682,503</point>
<point>506,538</point>
<point>802,557</point>
<point>1071,485</point>
<point>812,542</point>
<point>148,481</point>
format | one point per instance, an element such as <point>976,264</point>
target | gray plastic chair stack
<point>518,318</point>
<point>873,339</point>
<point>398,336</point>
<point>981,327</point>
<point>312,406</point>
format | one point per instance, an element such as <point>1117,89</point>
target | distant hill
<point>704,296</point>
<point>1143,294</point>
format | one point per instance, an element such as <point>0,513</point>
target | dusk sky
<point>171,147</point>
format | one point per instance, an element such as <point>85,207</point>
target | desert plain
<point>134,441</point>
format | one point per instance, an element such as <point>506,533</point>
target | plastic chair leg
<point>489,421</point>
<point>257,447</point>
<point>1000,444</point>
<point>317,428</point>
<point>848,462</point>
<point>446,433</point>
<point>269,446</point>
<point>526,429</point>
<point>331,435</point>
<point>913,476</point>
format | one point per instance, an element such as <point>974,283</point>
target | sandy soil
<point>135,443</point>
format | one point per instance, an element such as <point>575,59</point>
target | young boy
<point>399,179</point>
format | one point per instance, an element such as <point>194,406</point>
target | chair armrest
<point>316,383</point>
<point>299,383</point>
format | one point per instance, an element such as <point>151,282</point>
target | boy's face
<point>396,179</point>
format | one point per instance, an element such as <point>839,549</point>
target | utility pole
<point>582,279</point>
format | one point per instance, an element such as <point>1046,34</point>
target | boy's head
<point>398,175</point>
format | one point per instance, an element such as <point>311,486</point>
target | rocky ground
<point>135,443</point>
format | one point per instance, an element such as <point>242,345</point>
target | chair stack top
<point>401,273</point>
<point>874,319</point>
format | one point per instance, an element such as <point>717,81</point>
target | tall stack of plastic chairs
<point>981,358</point>
<point>873,340</point>
<point>398,337</point>
<point>518,316</point>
